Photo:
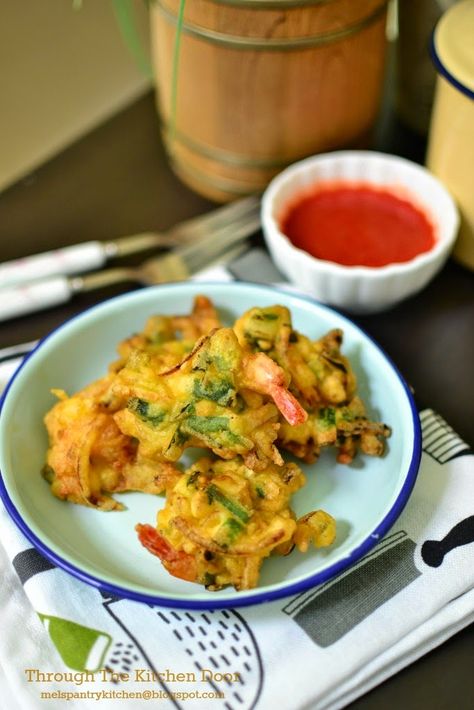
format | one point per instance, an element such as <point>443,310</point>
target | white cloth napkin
<point>320,649</point>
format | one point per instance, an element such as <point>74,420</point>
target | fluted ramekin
<point>360,289</point>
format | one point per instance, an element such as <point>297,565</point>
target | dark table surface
<point>117,181</point>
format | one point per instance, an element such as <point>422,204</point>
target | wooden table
<point>117,181</point>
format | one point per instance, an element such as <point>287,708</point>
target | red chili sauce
<point>356,224</point>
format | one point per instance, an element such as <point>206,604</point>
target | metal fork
<point>91,255</point>
<point>176,265</point>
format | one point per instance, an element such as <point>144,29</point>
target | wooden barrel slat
<point>244,112</point>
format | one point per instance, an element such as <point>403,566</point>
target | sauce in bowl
<point>357,224</point>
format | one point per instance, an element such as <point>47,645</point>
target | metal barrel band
<point>272,44</point>
<point>227,157</point>
<point>222,184</point>
<point>273,4</point>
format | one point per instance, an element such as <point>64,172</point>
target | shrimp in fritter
<point>218,397</point>
<point>323,382</point>
<point>318,371</point>
<point>222,519</point>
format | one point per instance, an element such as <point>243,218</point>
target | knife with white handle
<point>34,296</point>
<point>175,266</point>
<point>69,260</point>
<point>80,258</point>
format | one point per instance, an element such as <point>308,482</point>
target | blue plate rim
<point>259,596</point>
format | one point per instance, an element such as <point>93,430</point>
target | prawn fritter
<point>202,321</point>
<point>218,397</point>
<point>319,372</point>
<point>323,382</point>
<point>346,427</point>
<point>89,457</point>
<point>222,519</point>
<point>168,339</point>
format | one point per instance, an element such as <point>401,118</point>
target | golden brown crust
<point>245,394</point>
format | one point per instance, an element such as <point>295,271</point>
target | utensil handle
<point>70,260</point>
<point>19,300</point>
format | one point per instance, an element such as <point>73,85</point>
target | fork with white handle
<point>91,255</point>
<point>179,264</point>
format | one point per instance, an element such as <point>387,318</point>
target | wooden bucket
<point>260,84</point>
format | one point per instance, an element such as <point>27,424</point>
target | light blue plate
<point>102,549</point>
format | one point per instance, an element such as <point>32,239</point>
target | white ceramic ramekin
<point>359,289</point>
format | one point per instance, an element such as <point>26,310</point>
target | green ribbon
<point>124,14</point>
<point>174,71</point>
<point>123,10</point>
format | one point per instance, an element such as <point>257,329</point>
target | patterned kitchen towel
<point>63,641</point>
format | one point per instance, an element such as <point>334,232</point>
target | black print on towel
<point>332,610</point>
<point>220,641</point>
<point>440,441</point>
<point>433,552</point>
<point>30,562</point>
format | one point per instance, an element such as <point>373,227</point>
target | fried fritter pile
<point>243,394</point>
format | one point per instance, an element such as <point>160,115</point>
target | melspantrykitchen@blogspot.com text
<point>129,695</point>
